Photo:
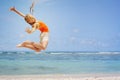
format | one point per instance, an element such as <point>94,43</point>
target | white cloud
<point>72,39</point>
<point>88,42</point>
<point>92,42</point>
<point>76,30</point>
<point>22,35</point>
<point>101,44</point>
<point>41,1</point>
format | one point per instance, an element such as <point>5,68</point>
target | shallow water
<point>25,63</point>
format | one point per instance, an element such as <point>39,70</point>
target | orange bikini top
<point>43,27</point>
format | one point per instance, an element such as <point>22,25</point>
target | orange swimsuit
<point>43,27</point>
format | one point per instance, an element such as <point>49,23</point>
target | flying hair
<point>32,6</point>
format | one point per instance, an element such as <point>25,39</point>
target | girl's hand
<point>28,30</point>
<point>12,9</point>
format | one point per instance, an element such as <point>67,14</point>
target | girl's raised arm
<point>18,12</point>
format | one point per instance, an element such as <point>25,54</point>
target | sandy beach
<point>62,77</point>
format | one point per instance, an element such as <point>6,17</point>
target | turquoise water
<point>25,63</point>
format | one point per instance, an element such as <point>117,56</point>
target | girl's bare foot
<point>20,45</point>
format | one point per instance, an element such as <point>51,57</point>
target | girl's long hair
<point>32,8</point>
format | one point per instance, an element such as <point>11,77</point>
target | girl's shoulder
<point>36,24</point>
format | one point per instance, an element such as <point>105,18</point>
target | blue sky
<point>75,25</point>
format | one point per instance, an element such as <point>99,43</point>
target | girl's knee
<point>44,47</point>
<point>38,50</point>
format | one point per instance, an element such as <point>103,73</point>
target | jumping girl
<point>36,25</point>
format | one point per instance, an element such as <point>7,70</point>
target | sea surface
<point>31,63</point>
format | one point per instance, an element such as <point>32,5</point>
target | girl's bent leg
<point>41,45</point>
<point>29,44</point>
<point>32,47</point>
<point>25,43</point>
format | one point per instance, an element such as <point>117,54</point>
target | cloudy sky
<point>75,25</point>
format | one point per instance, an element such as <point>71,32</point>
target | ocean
<point>30,63</point>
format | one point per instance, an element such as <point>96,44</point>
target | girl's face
<point>30,19</point>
